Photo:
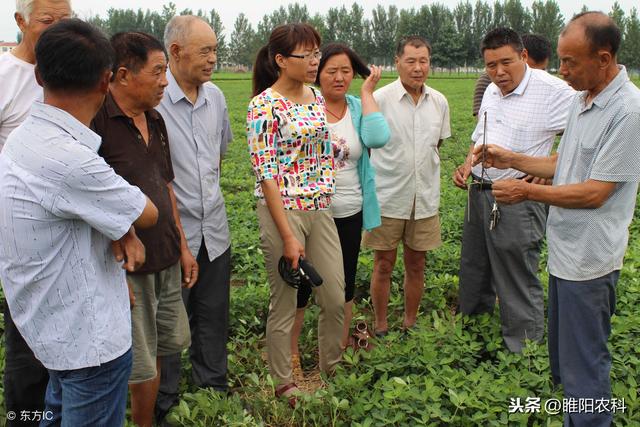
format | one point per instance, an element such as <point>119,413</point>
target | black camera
<point>304,275</point>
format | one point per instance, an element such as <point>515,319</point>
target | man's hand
<point>510,191</point>
<point>493,156</point>
<point>461,175</point>
<point>189,268</point>
<point>130,250</point>
<point>293,250</point>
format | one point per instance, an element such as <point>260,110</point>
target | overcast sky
<point>256,9</point>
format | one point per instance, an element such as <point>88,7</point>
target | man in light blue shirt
<point>61,206</point>
<point>195,112</point>
<point>596,174</point>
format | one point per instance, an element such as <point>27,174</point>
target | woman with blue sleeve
<point>356,126</point>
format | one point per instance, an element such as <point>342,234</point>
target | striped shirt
<point>525,120</point>
<point>60,207</point>
<point>600,143</point>
<point>481,87</point>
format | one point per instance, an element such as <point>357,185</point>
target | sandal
<point>296,367</point>
<point>290,391</point>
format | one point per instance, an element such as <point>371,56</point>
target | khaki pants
<point>317,232</point>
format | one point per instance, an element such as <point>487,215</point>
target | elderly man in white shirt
<point>407,179</point>
<point>61,206</point>
<point>523,110</point>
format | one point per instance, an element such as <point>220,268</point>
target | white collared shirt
<point>526,120</point>
<point>60,207</point>
<point>19,91</point>
<point>408,166</point>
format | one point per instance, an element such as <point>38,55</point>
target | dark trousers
<point>579,327</point>
<point>503,261</point>
<point>350,234</point>
<point>25,379</point>
<point>207,304</point>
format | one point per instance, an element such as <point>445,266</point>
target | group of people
<point>110,170</point>
<point>114,243</point>
<point>374,163</point>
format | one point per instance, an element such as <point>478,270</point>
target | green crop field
<point>450,371</point>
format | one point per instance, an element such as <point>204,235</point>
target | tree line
<point>454,34</point>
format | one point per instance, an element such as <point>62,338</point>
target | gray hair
<point>178,29</point>
<point>25,7</point>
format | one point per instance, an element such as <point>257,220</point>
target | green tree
<point>617,14</point>
<point>499,17</point>
<point>548,21</point>
<point>436,24</point>
<point>242,47</point>
<point>482,23</point>
<point>408,23</point>
<point>317,22</point>
<point>630,55</point>
<point>213,18</point>
<point>384,33</point>
<point>517,17</point>
<point>463,17</point>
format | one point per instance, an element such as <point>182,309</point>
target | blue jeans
<point>579,327</point>
<point>95,396</point>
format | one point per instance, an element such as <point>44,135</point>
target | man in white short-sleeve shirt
<point>407,179</point>
<point>65,223</point>
<point>25,379</point>
<point>523,109</point>
<point>595,184</point>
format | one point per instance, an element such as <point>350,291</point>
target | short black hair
<point>415,41</point>
<point>499,37</point>
<point>132,49</point>
<point>72,55</point>
<point>601,32</point>
<point>332,49</point>
<point>538,47</point>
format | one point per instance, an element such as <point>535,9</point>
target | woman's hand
<point>292,251</point>
<point>370,83</point>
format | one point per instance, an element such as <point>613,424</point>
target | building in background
<point>6,46</point>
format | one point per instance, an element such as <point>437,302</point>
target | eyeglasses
<point>307,57</point>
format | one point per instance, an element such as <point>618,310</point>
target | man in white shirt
<point>523,110</point>
<point>19,86</point>
<point>592,202</point>
<point>63,211</point>
<point>407,179</point>
<point>25,379</point>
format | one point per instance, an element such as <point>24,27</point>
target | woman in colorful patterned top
<point>292,158</point>
<point>356,126</point>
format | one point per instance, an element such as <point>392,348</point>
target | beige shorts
<point>420,235</point>
<point>159,322</point>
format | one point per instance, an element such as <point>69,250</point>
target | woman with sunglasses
<point>356,125</point>
<point>292,159</point>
